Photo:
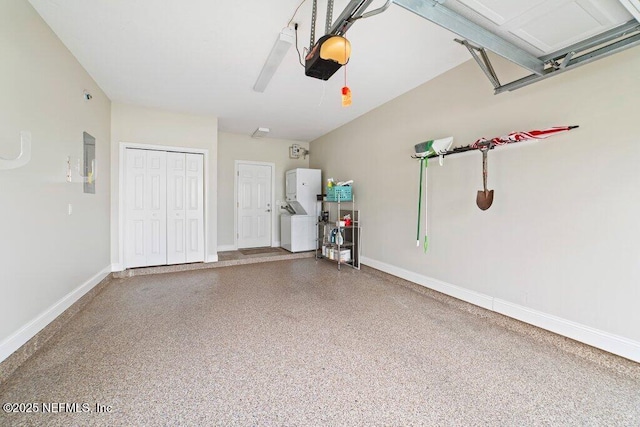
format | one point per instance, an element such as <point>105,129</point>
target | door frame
<point>121,185</point>
<point>235,198</point>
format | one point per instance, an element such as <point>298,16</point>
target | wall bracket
<point>481,57</point>
<point>25,153</point>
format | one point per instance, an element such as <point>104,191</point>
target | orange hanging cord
<point>346,92</point>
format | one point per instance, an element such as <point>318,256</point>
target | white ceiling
<point>203,56</point>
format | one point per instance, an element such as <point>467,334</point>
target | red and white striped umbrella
<point>522,136</point>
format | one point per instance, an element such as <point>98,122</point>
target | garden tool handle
<point>484,168</point>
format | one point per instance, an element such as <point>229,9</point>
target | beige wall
<point>232,147</point>
<point>48,258</point>
<point>561,238</point>
<point>141,125</point>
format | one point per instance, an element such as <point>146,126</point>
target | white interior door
<point>194,208</point>
<point>254,205</point>
<point>146,208</point>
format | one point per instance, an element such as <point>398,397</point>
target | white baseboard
<point>116,267</point>
<point>594,337</point>
<point>18,339</point>
<point>463,294</point>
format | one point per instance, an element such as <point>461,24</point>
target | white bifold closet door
<point>185,210</point>
<point>164,208</point>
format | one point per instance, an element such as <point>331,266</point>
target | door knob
<point>268,210</point>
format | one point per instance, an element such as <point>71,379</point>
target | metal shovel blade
<point>484,199</point>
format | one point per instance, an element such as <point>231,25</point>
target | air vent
<point>260,133</point>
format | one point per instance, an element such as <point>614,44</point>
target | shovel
<point>484,199</point>
<point>422,160</point>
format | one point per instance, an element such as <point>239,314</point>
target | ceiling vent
<point>260,133</point>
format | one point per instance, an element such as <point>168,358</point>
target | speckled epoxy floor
<point>299,343</point>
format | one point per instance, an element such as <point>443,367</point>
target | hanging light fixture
<point>327,56</point>
<point>332,50</point>
<point>336,48</point>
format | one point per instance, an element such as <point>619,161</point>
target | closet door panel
<point>194,191</point>
<point>156,208</point>
<point>134,231</point>
<point>176,174</point>
<point>145,208</point>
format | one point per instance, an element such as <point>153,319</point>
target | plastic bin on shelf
<point>343,193</point>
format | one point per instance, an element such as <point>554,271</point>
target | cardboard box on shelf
<point>333,254</point>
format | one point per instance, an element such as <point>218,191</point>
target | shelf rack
<point>352,234</point>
